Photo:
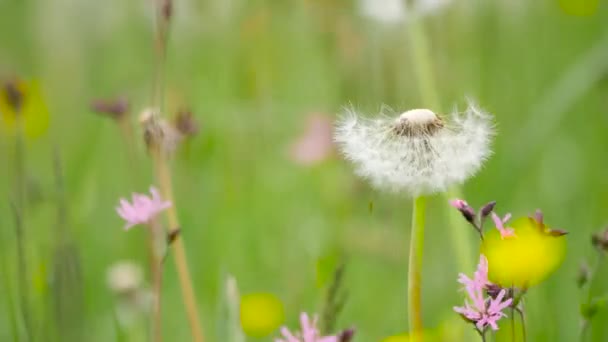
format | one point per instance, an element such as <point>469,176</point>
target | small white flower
<point>416,152</point>
<point>125,277</point>
<point>394,11</point>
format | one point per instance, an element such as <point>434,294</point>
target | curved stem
<point>415,269</point>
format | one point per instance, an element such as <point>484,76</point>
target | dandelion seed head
<point>417,152</point>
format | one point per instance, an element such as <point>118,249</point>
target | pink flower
<point>459,203</point>
<point>143,209</point>
<point>484,311</point>
<point>309,333</point>
<point>316,143</point>
<point>464,208</point>
<point>505,232</point>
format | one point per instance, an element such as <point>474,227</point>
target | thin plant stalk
<point>163,173</point>
<point>415,269</point>
<point>10,305</point>
<point>423,69</point>
<point>157,245</point>
<point>589,284</point>
<point>19,213</point>
<point>179,251</point>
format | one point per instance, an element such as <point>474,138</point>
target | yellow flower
<point>261,314</point>
<point>21,99</point>
<point>525,258</point>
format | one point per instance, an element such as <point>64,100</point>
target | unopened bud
<point>465,209</point>
<point>487,209</point>
<point>115,109</point>
<point>346,335</point>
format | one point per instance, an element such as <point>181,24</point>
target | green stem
<point>523,324</point>
<point>423,69</point>
<point>415,269</point>
<point>10,305</point>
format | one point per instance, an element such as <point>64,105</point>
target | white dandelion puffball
<point>417,152</point>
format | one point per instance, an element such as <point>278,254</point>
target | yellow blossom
<point>527,257</point>
<point>24,100</point>
<point>261,314</point>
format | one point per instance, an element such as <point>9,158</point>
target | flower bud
<point>346,335</point>
<point>487,209</point>
<point>465,209</point>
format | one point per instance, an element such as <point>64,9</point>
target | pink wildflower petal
<point>288,335</point>
<point>458,203</point>
<point>497,221</point>
<point>316,143</point>
<point>506,218</point>
<point>142,209</point>
<point>327,339</point>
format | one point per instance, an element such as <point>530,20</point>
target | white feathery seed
<point>416,152</point>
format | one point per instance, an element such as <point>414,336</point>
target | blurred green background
<point>253,72</point>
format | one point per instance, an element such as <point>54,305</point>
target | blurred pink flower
<point>505,232</point>
<point>459,203</point>
<point>309,333</point>
<point>315,144</point>
<point>143,209</point>
<point>484,311</point>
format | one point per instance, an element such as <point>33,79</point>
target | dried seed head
<point>416,152</point>
<point>417,122</point>
<point>600,240</point>
<point>158,133</point>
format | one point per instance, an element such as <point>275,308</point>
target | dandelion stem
<point>423,69</point>
<point>415,269</point>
